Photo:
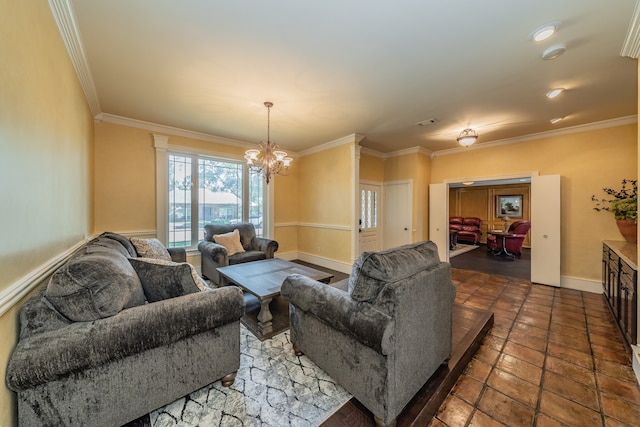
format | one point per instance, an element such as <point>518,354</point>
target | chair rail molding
<point>18,290</point>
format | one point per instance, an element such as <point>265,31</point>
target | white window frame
<point>163,149</point>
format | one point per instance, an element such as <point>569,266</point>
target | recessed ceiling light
<point>554,51</point>
<point>555,120</point>
<point>555,92</point>
<point>543,32</point>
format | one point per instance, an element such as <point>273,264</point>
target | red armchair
<point>512,241</point>
<point>468,229</point>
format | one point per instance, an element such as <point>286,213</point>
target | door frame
<point>530,175</point>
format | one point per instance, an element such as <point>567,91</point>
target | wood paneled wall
<point>480,202</point>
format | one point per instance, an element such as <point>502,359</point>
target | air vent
<point>427,122</point>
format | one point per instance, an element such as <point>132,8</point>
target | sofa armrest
<point>82,345</point>
<point>333,306</point>
<point>262,244</point>
<point>178,254</point>
<point>216,252</point>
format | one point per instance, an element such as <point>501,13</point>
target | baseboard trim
<point>578,284</point>
<point>333,264</point>
<point>15,292</point>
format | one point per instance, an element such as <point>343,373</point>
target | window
<point>204,190</point>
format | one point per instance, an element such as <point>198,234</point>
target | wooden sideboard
<point>620,282</point>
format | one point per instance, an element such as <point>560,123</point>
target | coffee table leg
<point>265,316</point>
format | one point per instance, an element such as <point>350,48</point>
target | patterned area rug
<point>273,387</point>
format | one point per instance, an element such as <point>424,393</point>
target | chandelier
<point>269,160</point>
<point>467,137</point>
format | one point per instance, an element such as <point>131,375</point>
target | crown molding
<point>65,19</point>
<point>631,45</point>
<point>412,150</point>
<point>353,138</point>
<point>371,152</point>
<point>155,127</point>
<point>403,152</point>
<point>621,121</point>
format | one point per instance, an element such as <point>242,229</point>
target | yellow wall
<point>45,167</point>
<point>324,199</point>
<point>286,211</point>
<point>371,168</point>
<point>125,175</point>
<point>417,168</point>
<point>586,161</point>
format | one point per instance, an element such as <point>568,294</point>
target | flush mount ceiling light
<point>555,92</point>
<point>555,120</point>
<point>554,51</point>
<point>468,182</point>
<point>467,137</point>
<point>543,32</point>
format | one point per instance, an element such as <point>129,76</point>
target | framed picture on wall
<point>509,206</point>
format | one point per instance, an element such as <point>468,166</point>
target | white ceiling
<point>334,68</point>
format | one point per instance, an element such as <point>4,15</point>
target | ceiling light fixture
<point>555,120</point>
<point>543,32</point>
<point>555,92</point>
<point>273,161</point>
<point>467,137</point>
<point>468,182</point>
<point>553,52</point>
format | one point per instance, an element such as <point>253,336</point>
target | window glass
<point>219,198</point>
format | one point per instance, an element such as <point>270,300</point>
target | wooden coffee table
<point>269,315</point>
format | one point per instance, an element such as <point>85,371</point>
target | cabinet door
<point>628,303</point>
<point>614,284</point>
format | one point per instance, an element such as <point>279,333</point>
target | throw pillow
<point>93,286</point>
<point>150,248</point>
<point>231,241</point>
<point>166,279</point>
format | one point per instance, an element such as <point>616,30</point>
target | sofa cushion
<point>372,270</point>
<point>231,242</point>
<point>94,285</point>
<point>150,248</point>
<point>125,242</point>
<point>104,244</point>
<point>166,279</point>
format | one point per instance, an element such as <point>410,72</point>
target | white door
<point>438,220</point>
<point>369,224</point>
<point>398,219</point>
<point>545,230</point>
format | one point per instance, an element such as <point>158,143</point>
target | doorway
<point>545,218</point>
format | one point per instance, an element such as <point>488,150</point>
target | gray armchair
<point>214,255</point>
<point>385,336</point>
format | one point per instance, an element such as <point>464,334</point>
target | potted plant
<point>624,206</point>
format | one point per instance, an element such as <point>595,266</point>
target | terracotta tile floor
<point>553,358</point>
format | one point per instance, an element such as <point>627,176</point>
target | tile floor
<point>553,358</point>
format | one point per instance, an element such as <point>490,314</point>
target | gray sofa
<point>214,255</point>
<point>385,335</point>
<point>95,351</point>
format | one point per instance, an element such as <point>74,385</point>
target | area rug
<point>462,248</point>
<point>273,387</point>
